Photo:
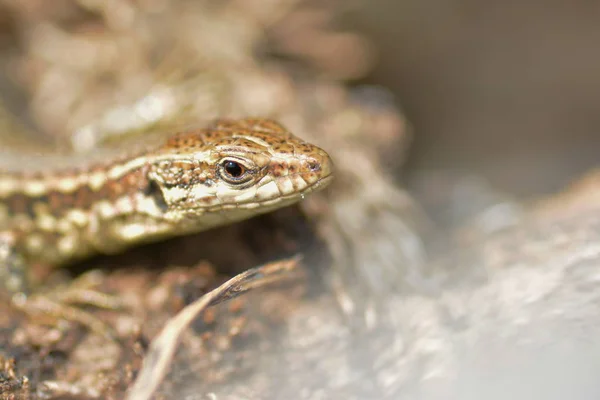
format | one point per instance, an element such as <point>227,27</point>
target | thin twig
<point>162,348</point>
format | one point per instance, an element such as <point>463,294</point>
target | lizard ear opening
<point>154,191</point>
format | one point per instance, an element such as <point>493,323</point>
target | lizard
<point>60,208</point>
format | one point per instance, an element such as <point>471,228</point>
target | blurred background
<point>509,90</point>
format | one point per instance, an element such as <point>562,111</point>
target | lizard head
<point>233,170</point>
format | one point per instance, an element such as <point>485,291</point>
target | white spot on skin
<point>96,180</point>
<point>202,156</point>
<point>46,222</point>
<point>133,231</point>
<point>67,185</point>
<point>78,217</point>
<point>67,244</point>
<point>124,204</point>
<point>34,188</point>
<point>7,186</point>
<point>120,170</point>
<point>34,243</point>
<point>146,205</point>
<point>105,209</point>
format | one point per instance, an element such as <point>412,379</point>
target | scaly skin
<point>56,209</point>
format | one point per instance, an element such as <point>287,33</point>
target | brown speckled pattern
<point>147,191</point>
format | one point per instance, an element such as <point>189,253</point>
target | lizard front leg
<point>55,304</point>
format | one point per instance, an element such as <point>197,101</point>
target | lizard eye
<point>233,169</point>
<point>234,172</point>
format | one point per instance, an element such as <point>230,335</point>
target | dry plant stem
<point>162,348</point>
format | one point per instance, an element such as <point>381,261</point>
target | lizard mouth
<point>272,203</point>
<point>318,185</point>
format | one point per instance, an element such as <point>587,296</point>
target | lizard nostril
<point>314,166</point>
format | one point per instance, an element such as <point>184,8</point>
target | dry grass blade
<point>162,348</point>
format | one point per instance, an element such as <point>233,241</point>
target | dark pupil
<point>234,169</point>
